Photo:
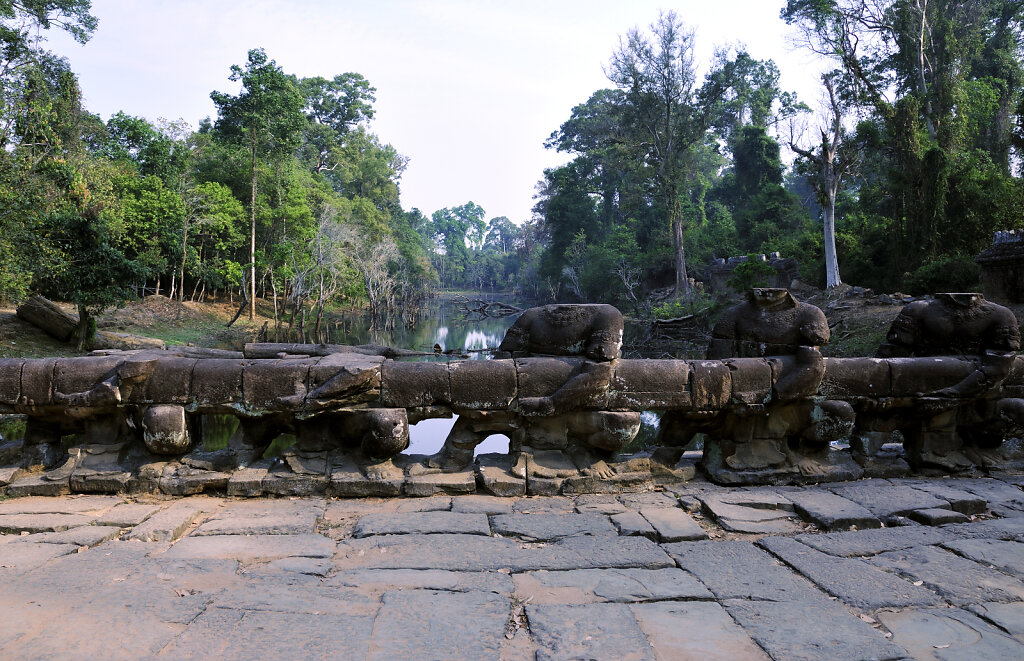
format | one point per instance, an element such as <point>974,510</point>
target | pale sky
<point>467,90</point>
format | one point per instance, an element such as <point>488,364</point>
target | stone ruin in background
<point>1002,267</point>
<point>719,271</point>
<point>945,395</point>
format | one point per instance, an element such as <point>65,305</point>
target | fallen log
<point>48,317</point>
<point>280,349</point>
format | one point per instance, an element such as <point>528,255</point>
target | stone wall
<point>1002,267</point>
<point>718,272</point>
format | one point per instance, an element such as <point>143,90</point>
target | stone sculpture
<point>957,426</point>
<point>137,420</point>
<point>557,404</point>
<point>774,429</point>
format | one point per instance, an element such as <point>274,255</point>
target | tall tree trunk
<point>82,332</point>
<point>682,282</point>
<point>252,240</point>
<point>831,260</point>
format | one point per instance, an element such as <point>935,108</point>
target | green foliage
<point>700,304</point>
<point>947,273</point>
<point>751,273</point>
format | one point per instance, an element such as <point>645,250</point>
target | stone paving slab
<point>591,631</point>
<point>546,527</point>
<point>673,524</point>
<point>109,602</point>
<point>812,630</point>
<point>265,524</point>
<point>290,594</point>
<point>1010,529</point>
<point>169,524</point>
<point>886,500</point>
<point>949,633</point>
<point>482,505</point>
<point>59,505</point>
<point>872,542</point>
<point>428,624</point>
<point>228,634</point>
<point>631,523</point>
<point>855,582</point>
<point>250,548</point>
<point>740,570</point>
<point>1008,617</point>
<point>81,536</point>
<point>960,500</point>
<point>17,523</point>
<point>599,503</point>
<point>23,557</point>
<point>423,579</point>
<point>938,517</point>
<point>544,505</point>
<point>126,515</point>
<point>831,512</point>
<point>697,631</point>
<point>430,504</point>
<point>958,580</point>
<point>636,501</point>
<point>478,553</point>
<point>615,585</point>
<point>422,523</point>
<point>1004,555</point>
<point>996,492</point>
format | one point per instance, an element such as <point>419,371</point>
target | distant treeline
<point>899,178</point>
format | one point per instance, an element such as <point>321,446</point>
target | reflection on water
<point>441,324</point>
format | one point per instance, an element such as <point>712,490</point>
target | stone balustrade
<point>136,421</point>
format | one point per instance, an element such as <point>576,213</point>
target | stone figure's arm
<point>586,389</point>
<point>723,336</point>
<point>517,338</point>
<point>904,334</point>
<point>604,345</point>
<point>814,330</point>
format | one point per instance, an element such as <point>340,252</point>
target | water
<point>442,325</point>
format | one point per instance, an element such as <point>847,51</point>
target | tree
<point>658,76</point>
<point>833,159</point>
<point>266,116</point>
<point>333,107</point>
<point>501,232</point>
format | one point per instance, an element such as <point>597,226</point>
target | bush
<point>751,273</point>
<point>946,273</point>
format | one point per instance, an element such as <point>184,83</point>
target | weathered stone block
<point>217,381</point>
<point>435,483</point>
<point>494,476</point>
<point>639,385</point>
<point>923,375</point>
<point>71,375</point>
<point>37,381</point>
<point>541,377</point>
<point>10,380</point>
<point>856,377</point>
<point>265,381</point>
<point>348,377</point>
<point>170,382</point>
<point>750,379</point>
<point>414,384</point>
<point>710,384</point>
<point>483,384</point>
